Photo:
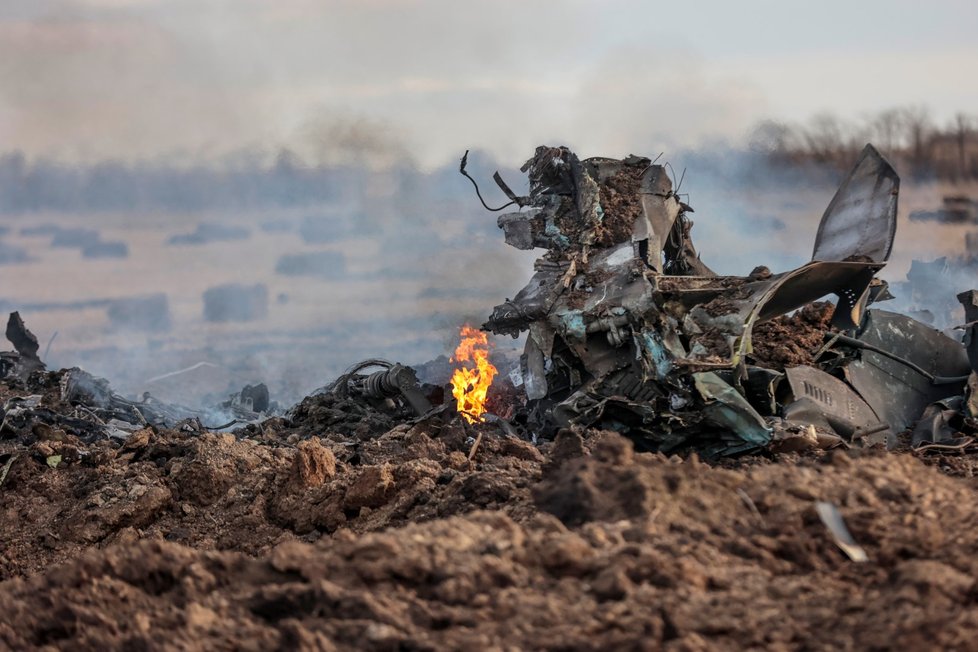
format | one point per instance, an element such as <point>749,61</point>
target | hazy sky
<point>86,79</point>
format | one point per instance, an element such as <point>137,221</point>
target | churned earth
<point>416,538</point>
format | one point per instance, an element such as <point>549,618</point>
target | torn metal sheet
<point>969,301</point>
<point>939,424</point>
<point>898,392</point>
<point>860,221</point>
<point>836,525</point>
<point>24,341</point>
<point>24,360</point>
<point>971,397</point>
<point>725,408</point>
<point>660,210</point>
<point>534,370</point>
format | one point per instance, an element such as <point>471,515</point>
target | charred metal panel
<point>848,280</point>
<point>660,208</point>
<point>939,423</point>
<point>896,392</point>
<point>969,301</point>
<point>825,401</point>
<point>534,370</point>
<point>26,360</point>
<point>521,230</point>
<point>860,221</point>
<point>531,303</point>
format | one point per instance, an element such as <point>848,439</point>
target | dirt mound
<point>215,491</point>
<point>627,551</point>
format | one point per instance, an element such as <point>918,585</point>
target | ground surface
<point>397,540</point>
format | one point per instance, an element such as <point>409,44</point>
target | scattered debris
<point>393,389</point>
<point>5,469</point>
<point>24,361</point>
<point>73,402</point>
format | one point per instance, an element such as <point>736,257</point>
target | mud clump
<point>312,465</point>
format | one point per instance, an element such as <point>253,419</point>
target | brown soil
<point>721,305</point>
<point>622,204</point>
<point>225,544</point>
<point>716,344</point>
<point>293,539</point>
<point>789,341</point>
<point>214,491</point>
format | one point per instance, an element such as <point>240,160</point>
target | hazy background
<point>154,152</point>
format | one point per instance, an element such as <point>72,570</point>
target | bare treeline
<point>916,144</point>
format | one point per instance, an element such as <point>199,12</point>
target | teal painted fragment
<point>726,408</point>
<point>573,323</point>
<point>558,238</point>
<point>657,354</point>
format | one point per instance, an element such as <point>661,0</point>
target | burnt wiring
<point>461,169</point>
<point>859,344</point>
<point>681,178</point>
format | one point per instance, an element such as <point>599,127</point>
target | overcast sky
<point>196,79</point>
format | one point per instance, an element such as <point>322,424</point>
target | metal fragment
<point>836,525</point>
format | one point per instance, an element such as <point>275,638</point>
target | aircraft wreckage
<point>627,329</point>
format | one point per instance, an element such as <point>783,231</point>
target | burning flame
<point>470,384</point>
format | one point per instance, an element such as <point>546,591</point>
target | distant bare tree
<point>918,129</point>
<point>885,130</point>
<point>824,138</point>
<point>962,131</point>
<point>906,135</point>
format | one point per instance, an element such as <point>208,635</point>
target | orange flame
<point>470,384</point>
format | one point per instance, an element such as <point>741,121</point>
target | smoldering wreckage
<point>627,329</point>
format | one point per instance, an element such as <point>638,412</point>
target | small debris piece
<point>6,468</point>
<point>832,518</point>
<point>24,341</point>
